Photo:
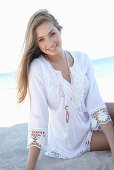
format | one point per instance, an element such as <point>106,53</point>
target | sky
<point>88,26</point>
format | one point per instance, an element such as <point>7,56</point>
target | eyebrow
<point>42,36</point>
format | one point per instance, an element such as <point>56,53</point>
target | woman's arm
<point>38,115</point>
<point>32,157</point>
<point>97,108</point>
<point>108,130</point>
<point>110,107</point>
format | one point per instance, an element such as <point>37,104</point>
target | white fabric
<point>47,126</point>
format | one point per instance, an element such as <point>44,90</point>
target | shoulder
<point>36,68</point>
<point>36,64</point>
<point>82,58</point>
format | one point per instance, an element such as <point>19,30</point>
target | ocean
<point>103,67</point>
<point>7,81</point>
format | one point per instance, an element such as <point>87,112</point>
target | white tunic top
<point>47,126</point>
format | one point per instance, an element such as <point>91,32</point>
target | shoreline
<point>12,114</point>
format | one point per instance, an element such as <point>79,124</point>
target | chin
<point>52,53</point>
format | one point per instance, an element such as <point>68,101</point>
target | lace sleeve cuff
<point>102,116</point>
<point>37,138</point>
<point>99,116</point>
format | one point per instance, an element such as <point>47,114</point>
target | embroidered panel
<point>102,116</point>
<point>37,138</point>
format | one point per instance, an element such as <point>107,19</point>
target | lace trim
<point>95,124</point>
<point>100,116</point>
<point>85,148</point>
<point>78,83</point>
<point>37,138</point>
<point>87,143</point>
<point>54,154</point>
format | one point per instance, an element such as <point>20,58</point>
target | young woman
<point>67,114</point>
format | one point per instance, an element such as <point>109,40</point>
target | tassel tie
<point>67,114</point>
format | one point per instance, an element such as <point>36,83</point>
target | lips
<point>52,48</point>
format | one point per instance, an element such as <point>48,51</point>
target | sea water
<point>7,81</point>
<point>103,67</point>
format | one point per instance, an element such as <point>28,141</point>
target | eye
<point>41,39</point>
<point>52,34</point>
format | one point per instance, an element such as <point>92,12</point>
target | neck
<point>57,59</point>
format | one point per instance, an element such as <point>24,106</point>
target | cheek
<point>58,39</point>
<point>40,46</point>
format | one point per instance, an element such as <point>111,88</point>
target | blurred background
<point>88,26</point>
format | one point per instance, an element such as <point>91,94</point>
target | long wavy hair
<point>31,50</point>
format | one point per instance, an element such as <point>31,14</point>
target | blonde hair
<point>31,50</point>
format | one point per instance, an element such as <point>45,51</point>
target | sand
<point>13,154</point>
<point>13,138</point>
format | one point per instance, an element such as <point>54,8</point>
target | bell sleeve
<point>95,105</point>
<point>38,116</point>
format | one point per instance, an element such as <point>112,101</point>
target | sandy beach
<point>13,137</point>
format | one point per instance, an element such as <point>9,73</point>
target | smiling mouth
<point>53,48</point>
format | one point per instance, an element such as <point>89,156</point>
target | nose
<point>49,42</point>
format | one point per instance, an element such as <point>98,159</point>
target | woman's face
<point>48,39</point>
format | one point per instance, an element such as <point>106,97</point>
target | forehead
<point>44,28</point>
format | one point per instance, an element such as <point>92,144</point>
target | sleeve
<point>95,105</point>
<point>38,116</point>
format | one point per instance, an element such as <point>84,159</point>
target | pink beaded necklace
<point>59,85</point>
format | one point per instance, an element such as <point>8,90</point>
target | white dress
<point>47,126</point>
